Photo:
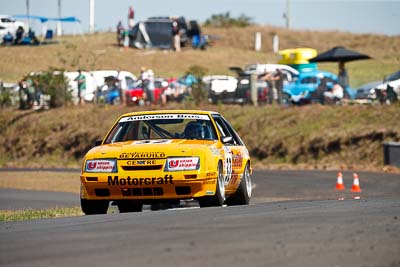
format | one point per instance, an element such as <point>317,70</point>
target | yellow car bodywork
<point>140,172</point>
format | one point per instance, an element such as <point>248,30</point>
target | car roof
<point>270,67</point>
<point>392,77</point>
<point>152,112</point>
<point>369,85</point>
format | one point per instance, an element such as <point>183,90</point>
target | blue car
<point>304,89</point>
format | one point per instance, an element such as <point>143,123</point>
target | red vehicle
<point>136,95</point>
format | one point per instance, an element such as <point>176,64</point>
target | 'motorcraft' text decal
<point>167,179</point>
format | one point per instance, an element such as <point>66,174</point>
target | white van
<point>9,24</point>
<point>220,83</point>
<point>259,69</point>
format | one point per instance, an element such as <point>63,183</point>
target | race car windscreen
<point>162,126</point>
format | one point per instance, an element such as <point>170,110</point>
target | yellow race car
<point>154,157</point>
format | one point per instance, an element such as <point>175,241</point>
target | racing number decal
<point>228,164</point>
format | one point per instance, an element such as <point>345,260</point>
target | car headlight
<point>101,165</point>
<point>182,164</point>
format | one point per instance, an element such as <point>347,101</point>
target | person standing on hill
<point>81,79</point>
<point>120,33</point>
<point>131,18</point>
<point>177,37</point>
<point>343,77</point>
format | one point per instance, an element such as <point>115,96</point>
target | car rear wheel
<point>91,207</point>
<point>243,193</point>
<point>219,198</point>
<point>129,206</point>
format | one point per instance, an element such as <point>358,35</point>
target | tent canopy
<point>339,54</point>
<point>44,19</point>
<point>152,33</point>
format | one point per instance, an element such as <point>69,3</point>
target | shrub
<point>5,97</point>
<point>198,88</point>
<point>225,20</point>
<point>52,83</point>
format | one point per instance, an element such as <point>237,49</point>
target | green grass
<point>30,214</point>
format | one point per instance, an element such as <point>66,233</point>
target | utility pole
<point>288,14</point>
<point>59,30</point>
<point>91,16</point>
<point>28,12</point>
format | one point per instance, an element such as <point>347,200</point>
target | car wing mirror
<point>227,139</point>
<point>97,142</point>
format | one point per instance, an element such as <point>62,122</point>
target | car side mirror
<point>227,139</point>
<point>97,142</point>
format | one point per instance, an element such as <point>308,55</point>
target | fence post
<point>257,41</point>
<point>253,89</point>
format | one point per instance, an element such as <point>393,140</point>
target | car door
<point>235,151</point>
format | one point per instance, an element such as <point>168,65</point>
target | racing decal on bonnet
<point>142,155</point>
<point>167,179</point>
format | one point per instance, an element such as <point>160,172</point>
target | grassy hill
<point>309,137</point>
<point>233,47</point>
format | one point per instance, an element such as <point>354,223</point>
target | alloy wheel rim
<point>248,182</point>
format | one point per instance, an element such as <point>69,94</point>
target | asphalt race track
<point>13,199</point>
<point>295,219</point>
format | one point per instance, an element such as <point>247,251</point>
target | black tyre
<point>129,206</point>
<point>243,193</point>
<point>219,198</point>
<point>91,207</point>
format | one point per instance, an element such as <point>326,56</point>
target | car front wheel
<point>219,198</point>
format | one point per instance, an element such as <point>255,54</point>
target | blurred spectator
<point>32,37</point>
<point>81,79</point>
<point>131,18</point>
<point>177,38</point>
<point>38,94</point>
<point>120,33</point>
<point>279,78</point>
<point>335,94</point>
<point>318,95</point>
<point>145,78</point>
<point>126,39</point>
<point>270,79</point>
<point>8,39</point>
<point>18,35</point>
<point>343,78</point>
<point>31,90</point>
<point>150,87</point>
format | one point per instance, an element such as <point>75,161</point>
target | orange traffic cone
<point>356,184</point>
<point>339,182</point>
